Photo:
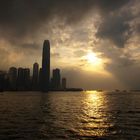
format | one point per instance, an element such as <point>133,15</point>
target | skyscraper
<point>56,79</point>
<point>12,78</point>
<point>40,79</point>
<point>20,79</point>
<point>35,78</point>
<point>46,66</point>
<point>26,79</point>
<point>23,79</point>
<point>2,80</point>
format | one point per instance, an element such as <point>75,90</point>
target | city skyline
<point>20,79</point>
<point>93,40</point>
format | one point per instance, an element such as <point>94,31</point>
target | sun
<point>94,62</point>
<point>92,58</point>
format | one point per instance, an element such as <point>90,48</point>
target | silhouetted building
<point>6,81</point>
<point>51,83</point>
<point>35,78</point>
<point>56,79</point>
<point>23,79</point>
<point>64,83</point>
<point>40,79</point>
<point>12,78</point>
<point>46,66</point>
<point>26,81</point>
<point>2,81</point>
<point>20,79</point>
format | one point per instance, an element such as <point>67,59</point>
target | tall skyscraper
<point>56,79</point>
<point>46,66</point>
<point>35,78</point>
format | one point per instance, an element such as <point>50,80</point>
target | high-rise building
<point>23,79</point>
<point>20,79</point>
<point>64,83</point>
<point>46,66</point>
<point>26,81</point>
<point>12,78</point>
<point>2,81</point>
<point>35,78</point>
<point>56,79</point>
<point>40,78</point>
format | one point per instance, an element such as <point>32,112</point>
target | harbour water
<point>84,115</point>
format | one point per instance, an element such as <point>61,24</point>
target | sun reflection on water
<point>94,119</point>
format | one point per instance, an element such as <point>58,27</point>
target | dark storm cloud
<point>116,28</point>
<point>21,17</point>
<point>119,25</point>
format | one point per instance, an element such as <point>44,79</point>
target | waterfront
<point>69,115</point>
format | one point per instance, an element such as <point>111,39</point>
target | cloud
<point>138,28</point>
<point>80,53</point>
<point>115,28</point>
<point>128,74</point>
<point>122,63</point>
<point>20,18</point>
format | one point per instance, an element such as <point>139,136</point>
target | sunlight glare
<point>92,58</point>
<point>94,62</point>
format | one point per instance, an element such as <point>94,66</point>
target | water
<point>69,116</point>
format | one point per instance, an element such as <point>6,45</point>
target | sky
<point>95,43</point>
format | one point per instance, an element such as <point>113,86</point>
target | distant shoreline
<point>57,90</point>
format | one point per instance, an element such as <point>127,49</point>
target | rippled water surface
<point>69,116</point>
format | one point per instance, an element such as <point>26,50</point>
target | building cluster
<point>20,79</point>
